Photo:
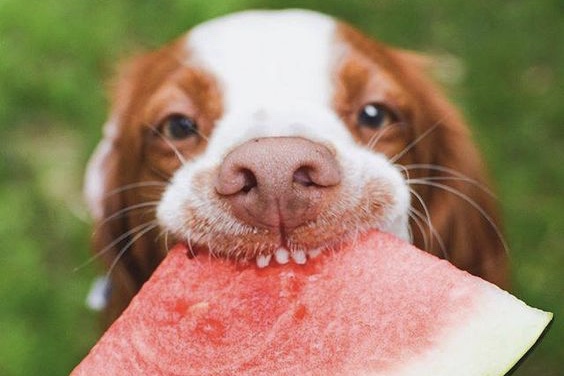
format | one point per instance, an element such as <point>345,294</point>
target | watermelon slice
<point>380,307</point>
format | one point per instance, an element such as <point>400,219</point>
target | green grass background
<point>56,55</point>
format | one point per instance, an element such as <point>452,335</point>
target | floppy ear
<point>115,176</point>
<point>105,200</point>
<point>452,181</point>
<point>112,167</point>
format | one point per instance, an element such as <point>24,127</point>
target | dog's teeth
<point>282,255</point>
<point>299,257</point>
<point>263,260</point>
<point>314,253</point>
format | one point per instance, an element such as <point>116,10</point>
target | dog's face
<point>281,170</point>
<point>273,136</point>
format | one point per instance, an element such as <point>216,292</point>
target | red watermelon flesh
<point>378,307</point>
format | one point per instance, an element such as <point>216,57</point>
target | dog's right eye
<point>178,127</point>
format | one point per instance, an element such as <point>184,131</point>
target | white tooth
<point>314,253</point>
<point>282,255</point>
<point>263,260</point>
<point>299,257</point>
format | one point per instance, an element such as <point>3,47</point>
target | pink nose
<point>280,182</point>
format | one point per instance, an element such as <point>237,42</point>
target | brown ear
<point>115,166</point>
<point>456,191</point>
<point>105,201</point>
<point>117,180</point>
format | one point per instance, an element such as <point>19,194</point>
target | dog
<point>268,137</point>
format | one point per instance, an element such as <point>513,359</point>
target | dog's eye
<point>178,127</point>
<point>375,116</point>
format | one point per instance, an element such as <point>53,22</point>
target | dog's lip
<point>281,255</point>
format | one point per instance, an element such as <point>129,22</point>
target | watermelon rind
<point>500,333</point>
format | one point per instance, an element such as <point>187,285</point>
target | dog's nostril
<point>249,180</point>
<point>302,176</point>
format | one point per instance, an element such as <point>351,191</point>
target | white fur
<point>268,59</point>
<point>275,72</point>
<point>95,186</point>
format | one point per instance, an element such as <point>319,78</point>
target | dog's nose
<point>280,182</point>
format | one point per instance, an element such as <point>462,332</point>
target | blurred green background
<point>503,60</point>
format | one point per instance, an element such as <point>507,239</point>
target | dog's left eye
<point>375,116</point>
<point>178,127</point>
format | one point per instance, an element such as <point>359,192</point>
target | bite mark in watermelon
<point>378,307</point>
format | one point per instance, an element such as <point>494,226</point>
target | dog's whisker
<point>410,232</point>
<point>143,184</point>
<point>181,157</point>
<point>188,240</point>
<point>433,233</point>
<point>203,136</point>
<point>371,144</point>
<point>166,233</point>
<point>427,215</point>
<point>122,212</point>
<point>454,178</point>
<point>456,174</point>
<point>147,227</point>
<point>416,218</point>
<point>124,236</point>
<point>162,234</point>
<point>211,250</point>
<point>413,143</point>
<point>116,241</point>
<point>426,218</point>
<point>170,145</point>
<point>404,170</point>
<point>164,175</point>
<point>471,202</point>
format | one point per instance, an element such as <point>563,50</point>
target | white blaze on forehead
<point>267,59</point>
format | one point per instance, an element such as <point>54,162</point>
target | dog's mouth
<point>224,237</point>
<point>280,256</point>
<point>248,251</point>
